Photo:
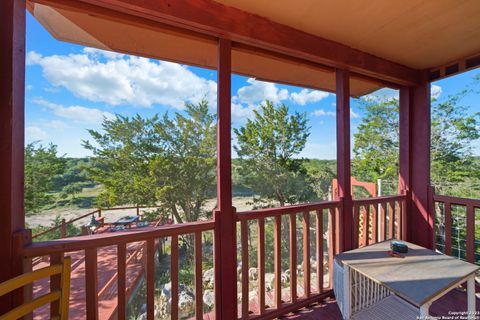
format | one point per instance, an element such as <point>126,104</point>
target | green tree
<point>42,164</point>
<point>123,153</point>
<point>161,160</point>
<point>267,146</point>
<point>454,128</point>
<point>74,178</point>
<point>185,172</point>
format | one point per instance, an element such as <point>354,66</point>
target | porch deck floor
<point>454,301</point>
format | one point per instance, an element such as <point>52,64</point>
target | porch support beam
<point>415,123</point>
<point>213,18</point>
<point>225,231</point>
<point>343,159</point>
<point>12,85</point>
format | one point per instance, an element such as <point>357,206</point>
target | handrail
<point>114,238</point>
<point>376,200</point>
<point>470,206</point>
<point>272,212</point>
<point>457,200</point>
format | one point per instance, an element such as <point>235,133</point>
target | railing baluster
<point>150,277</point>
<point>293,257</point>
<point>448,228</point>
<point>366,226</point>
<point>331,245</point>
<point>391,220</point>
<point>91,283</point>
<point>121,280</point>
<point>198,277</point>
<point>319,244</point>
<point>261,264</point>
<point>174,276</point>
<point>374,224</point>
<point>470,233</point>
<point>245,276</point>
<point>55,284</point>
<point>278,261</point>
<point>383,224</point>
<point>356,225</point>
<point>337,232</point>
<point>399,219</point>
<point>306,254</point>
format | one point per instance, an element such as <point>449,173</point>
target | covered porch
<point>335,47</point>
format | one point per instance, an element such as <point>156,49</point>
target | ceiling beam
<point>208,17</point>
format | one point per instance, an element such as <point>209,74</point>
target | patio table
<point>126,221</point>
<point>420,277</point>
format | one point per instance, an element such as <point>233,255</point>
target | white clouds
<point>322,112</point>
<point>308,96</point>
<point>436,91</point>
<point>76,113</point>
<point>34,133</point>
<point>259,91</point>
<point>117,79</point>
<point>353,114</point>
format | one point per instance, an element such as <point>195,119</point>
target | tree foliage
<point>161,160</point>
<point>454,128</point>
<point>42,164</point>
<point>267,146</point>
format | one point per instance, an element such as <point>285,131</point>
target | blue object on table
<point>143,224</point>
<point>117,228</point>
<point>127,220</point>
<point>398,246</point>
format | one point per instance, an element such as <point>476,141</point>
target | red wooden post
<point>404,179</point>
<point>91,283</point>
<point>63,229</point>
<point>225,232</point>
<point>319,247</point>
<point>245,290</point>
<point>343,156</point>
<point>448,228</point>
<point>174,277</point>
<point>415,125</point>
<point>12,90</point>
<point>121,282</point>
<point>293,257</point>
<point>278,261</point>
<point>306,254</point>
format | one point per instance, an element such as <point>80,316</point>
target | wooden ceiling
<point>293,42</point>
<point>417,33</point>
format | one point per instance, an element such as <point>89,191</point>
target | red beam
<point>343,155</point>
<point>225,259</point>
<point>12,85</point>
<point>212,18</point>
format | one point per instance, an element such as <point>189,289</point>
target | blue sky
<point>70,89</point>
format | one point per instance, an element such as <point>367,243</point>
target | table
<point>420,277</point>
<point>126,221</point>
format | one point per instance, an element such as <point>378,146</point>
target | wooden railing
<point>64,223</point>
<point>309,235</point>
<point>290,215</point>
<point>378,219</point>
<point>469,206</point>
<point>56,249</point>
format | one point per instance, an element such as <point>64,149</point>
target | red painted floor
<point>107,268</point>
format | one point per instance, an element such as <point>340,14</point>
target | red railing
<point>56,249</point>
<point>308,261</point>
<point>304,213</point>
<point>378,219</point>
<point>64,223</point>
<point>469,205</point>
